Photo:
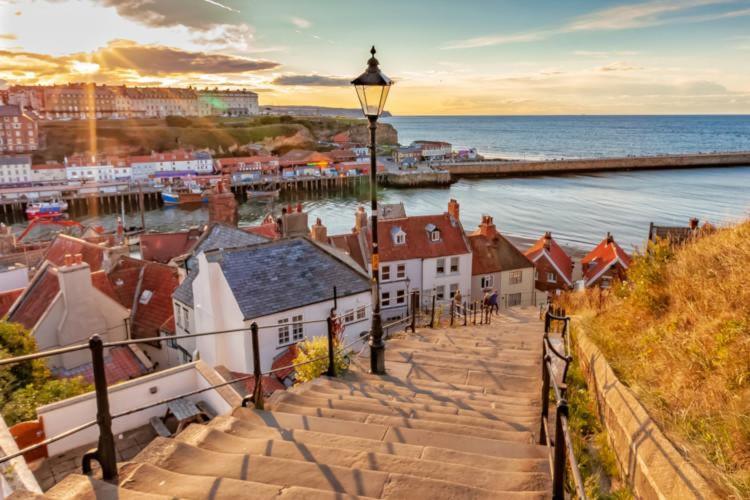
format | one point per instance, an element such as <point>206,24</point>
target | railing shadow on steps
<point>104,453</point>
<point>562,454</point>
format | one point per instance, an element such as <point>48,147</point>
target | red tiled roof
<point>63,245</point>
<point>349,243</point>
<point>7,299</point>
<point>101,282</point>
<point>606,254</point>
<point>418,245</point>
<point>341,137</point>
<point>270,384</point>
<point>267,229</point>
<point>121,364</point>
<point>163,247</point>
<point>161,281</point>
<point>37,298</point>
<point>124,277</point>
<point>494,254</point>
<point>555,254</point>
<point>301,157</point>
<point>285,359</point>
<point>168,326</point>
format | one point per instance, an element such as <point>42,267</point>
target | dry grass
<point>678,333</point>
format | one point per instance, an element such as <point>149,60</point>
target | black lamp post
<point>372,90</point>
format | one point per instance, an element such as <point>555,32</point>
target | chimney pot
<point>79,258</point>
<point>694,223</point>
<point>68,259</point>
<point>454,208</point>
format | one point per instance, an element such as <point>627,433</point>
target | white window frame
<point>551,277</point>
<point>284,333</point>
<point>453,290</point>
<point>385,273</point>
<point>515,277</point>
<point>435,235</point>
<point>455,263</point>
<point>400,271</point>
<point>487,281</point>
<point>385,299</point>
<point>440,292</point>
<point>438,265</point>
<point>400,296</point>
<point>349,316</point>
<point>298,329</point>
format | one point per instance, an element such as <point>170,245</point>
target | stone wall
<point>649,461</point>
<point>518,168</point>
<point>417,179</point>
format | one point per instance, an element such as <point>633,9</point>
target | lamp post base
<point>377,346</point>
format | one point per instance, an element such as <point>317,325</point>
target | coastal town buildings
<point>606,263</point>
<point>15,169</point>
<point>286,287</point>
<point>48,173</point>
<point>422,151</point>
<point>89,168</point>
<point>497,265</point>
<point>678,235</point>
<point>19,130</point>
<point>243,168</point>
<point>82,101</point>
<point>175,163</point>
<point>553,267</point>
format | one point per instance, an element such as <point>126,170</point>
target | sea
<point>578,209</point>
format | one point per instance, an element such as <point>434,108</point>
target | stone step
<point>393,434</point>
<point>518,368</point>
<point>467,375</point>
<point>414,389</point>
<point>182,458</point>
<point>81,487</point>
<point>515,432</point>
<point>522,343</point>
<point>464,407</point>
<point>214,440</point>
<point>146,478</point>
<point>496,422</point>
<point>524,358</point>
<point>240,428</point>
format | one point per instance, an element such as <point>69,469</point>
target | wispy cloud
<point>605,53</point>
<point>311,81</point>
<point>634,16</point>
<point>300,22</point>
<point>8,36</point>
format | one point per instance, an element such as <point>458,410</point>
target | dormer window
<point>398,235</point>
<point>433,232</point>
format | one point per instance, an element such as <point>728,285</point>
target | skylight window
<point>146,297</point>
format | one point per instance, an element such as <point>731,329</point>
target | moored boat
<point>46,209</point>
<point>184,196</point>
<point>262,194</point>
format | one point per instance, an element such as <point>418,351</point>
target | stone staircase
<point>454,418</point>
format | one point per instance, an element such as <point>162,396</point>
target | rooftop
<point>286,274</point>
<point>419,243</point>
<point>492,252</point>
<point>547,246</point>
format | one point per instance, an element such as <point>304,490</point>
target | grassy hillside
<point>679,335</point>
<point>216,134</point>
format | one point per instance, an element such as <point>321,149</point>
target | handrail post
<point>453,311</point>
<point>331,366</point>
<point>105,451</point>
<point>466,313</point>
<point>545,400</point>
<point>547,320</point>
<point>558,474</point>
<point>258,389</point>
<point>432,314</point>
<point>474,307</point>
<point>414,310</point>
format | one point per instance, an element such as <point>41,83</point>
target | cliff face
<point>386,134</point>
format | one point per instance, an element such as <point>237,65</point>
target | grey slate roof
<point>286,274</point>
<point>15,160</point>
<point>217,236</point>
<point>10,110</point>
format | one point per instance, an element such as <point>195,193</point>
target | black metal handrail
<point>104,453</point>
<point>562,444</point>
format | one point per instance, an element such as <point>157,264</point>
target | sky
<point>467,57</point>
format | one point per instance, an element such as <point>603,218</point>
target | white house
<point>427,253</point>
<point>48,173</point>
<point>214,237</point>
<point>286,287</point>
<point>91,169</point>
<point>15,169</point>
<point>198,162</point>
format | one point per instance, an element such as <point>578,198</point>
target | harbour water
<point>578,209</point>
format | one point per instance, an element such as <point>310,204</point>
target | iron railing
<point>104,453</point>
<point>561,445</point>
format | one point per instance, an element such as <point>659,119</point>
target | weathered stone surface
<point>651,463</point>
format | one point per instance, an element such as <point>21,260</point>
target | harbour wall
<point>503,168</point>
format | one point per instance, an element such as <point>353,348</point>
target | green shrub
<point>317,349</point>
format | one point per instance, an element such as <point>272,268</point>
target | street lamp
<point>372,90</point>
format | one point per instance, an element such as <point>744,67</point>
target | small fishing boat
<point>184,196</point>
<point>46,210</point>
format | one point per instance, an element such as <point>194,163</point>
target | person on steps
<point>494,307</point>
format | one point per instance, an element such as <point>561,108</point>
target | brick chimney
<point>222,206</point>
<point>610,238</point>
<point>454,209</point>
<point>694,223</point>
<point>319,232</point>
<point>360,219</point>
<point>487,227</point>
<point>547,240</point>
<point>294,223</point>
